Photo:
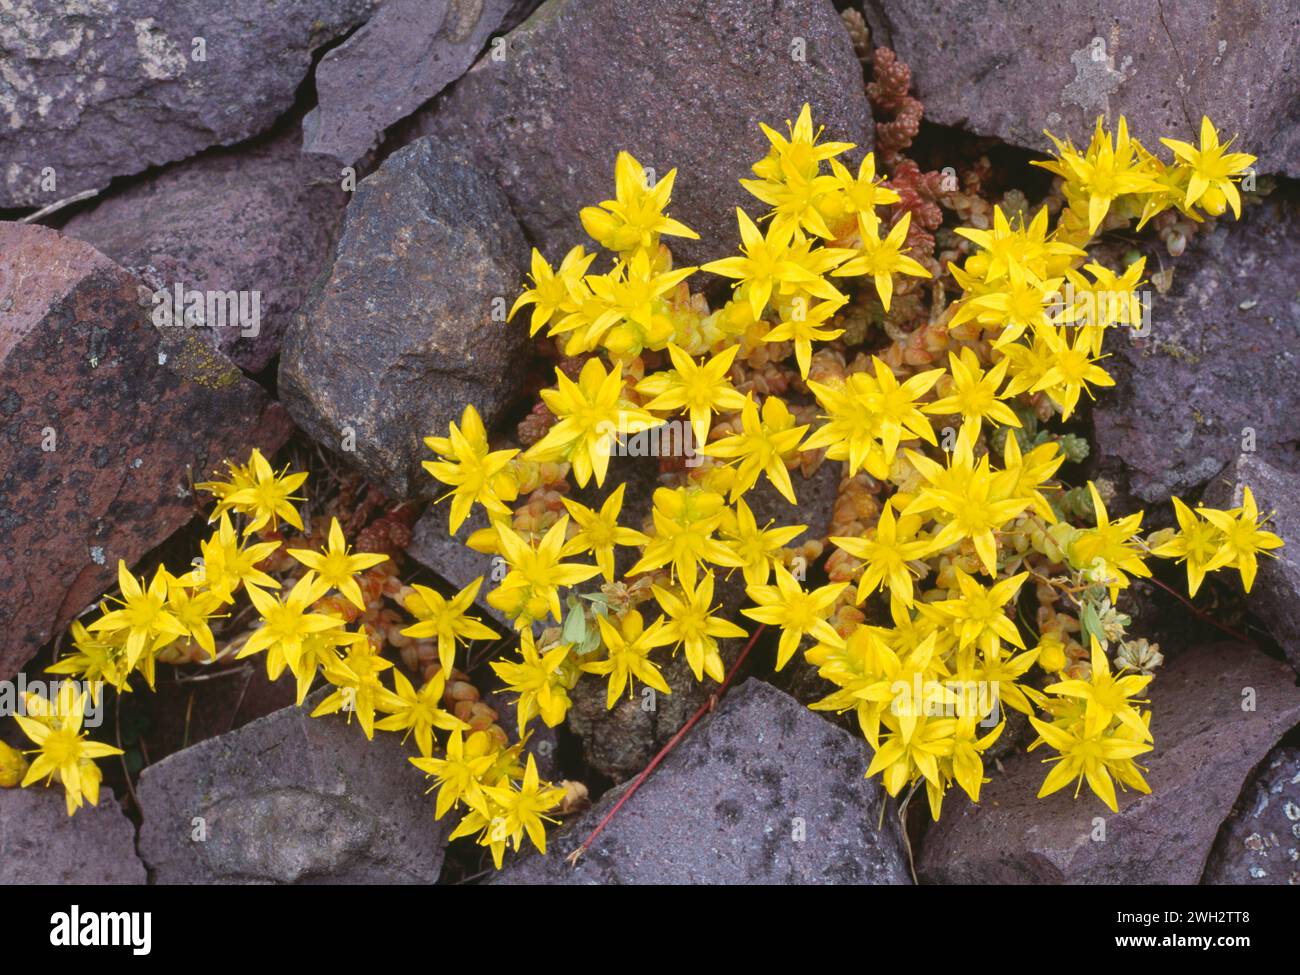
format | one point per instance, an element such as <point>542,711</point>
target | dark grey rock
<point>1012,68</point>
<point>455,563</point>
<point>41,844</point>
<point>1206,744</point>
<point>105,422</point>
<point>763,791</point>
<point>99,90</point>
<point>1217,367</point>
<point>1275,596</point>
<point>250,220</point>
<point>290,799</point>
<point>407,326</point>
<point>404,55</point>
<point>549,118</point>
<point>1260,843</point>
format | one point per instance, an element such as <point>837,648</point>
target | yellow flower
<point>1072,369</point>
<point>417,712</point>
<point>630,301</point>
<point>768,262</point>
<point>757,548</point>
<point>963,495</point>
<point>542,681</point>
<point>882,257</point>
<point>475,473</point>
<point>358,688</point>
<point>1107,697</point>
<point>13,767</point>
<point>228,563</point>
<point>1243,539</point>
<point>974,396</point>
<point>764,442</point>
<point>536,571</point>
<point>599,532</point>
<point>457,777</point>
<point>1030,249</point>
<point>62,748</point>
<point>1110,168</point>
<point>887,550</point>
<point>1093,757</point>
<point>193,610</point>
<point>628,646</point>
<point>802,326</point>
<point>691,624</point>
<point>797,612</point>
<point>336,568</point>
<point>685,520</point>
<point>524,808</point>
<point>1107,551</point>
<point>701,389</point>
<point>868,417</point>
<point>1199,542</point>
<point>446,619</point>
<point>286,623</point>
<point>592,413</point>
<point>979,616</point>
<point>635,218</point>
<point>1211,185</point>
<point>144,617</point>
<point>95,659</point>
<point>269,497</point>
<point>863,193</point>
<point>553,292</point>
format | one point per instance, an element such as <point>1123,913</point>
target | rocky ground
<point>378,172</point>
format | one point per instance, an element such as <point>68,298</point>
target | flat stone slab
<point>291,799</point>
<point>763,791</point>
<point>41,844</point>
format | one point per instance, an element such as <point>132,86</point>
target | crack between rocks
<point>1182,71</point>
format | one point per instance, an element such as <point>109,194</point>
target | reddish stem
<point>705,708</point>
<point>1202,615</point>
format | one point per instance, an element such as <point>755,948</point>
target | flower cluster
<point>958,519</point>
<point>325,620</point>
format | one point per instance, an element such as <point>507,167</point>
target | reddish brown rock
<point>106,422</point>
<point>1207,743</point>
<point>256,220</point>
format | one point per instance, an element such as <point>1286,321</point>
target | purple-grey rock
<point>250,220</point>
<point>404,55</point>
<point>41,844</point>
<point>92,91</point>
<point>1012,68</point>
<point>1274,598</point>
<point>1216,369</point>
<point>549,111</point>
<point>1217,710</point>
<point>290,799</point>
<point>407,326</point>
<point>763,791</point>
<point>1260,843</point>
<point>105,423</point>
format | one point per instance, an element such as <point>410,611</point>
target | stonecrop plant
<point>960,576</point>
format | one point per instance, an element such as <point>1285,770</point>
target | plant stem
<point>1202,615</point>
<point>704,709</point>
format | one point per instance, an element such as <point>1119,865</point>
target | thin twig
<point>58,205</point>
<point>1204,616</point>
<point>704,709</point>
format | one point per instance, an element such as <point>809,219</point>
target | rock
<point>1217,366</point>
<point>399,59</point>
<point>1206,746</point>
<point>1275,596</point>
<point>407,326</point>
<point>290,799</point>
<point>108,90</point>
<point>107,421</point>
<point>761,792</point>
<point>1012,69</point>
<point>41,844</point>
<point>247,220</point>
<point>1260,843</point>
<point>550,117</point>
